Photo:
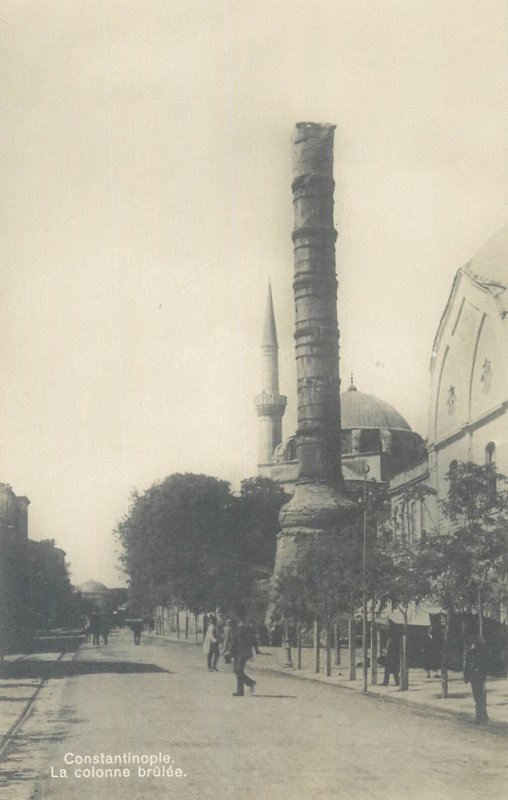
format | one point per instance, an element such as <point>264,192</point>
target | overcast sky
<point>146,175</point>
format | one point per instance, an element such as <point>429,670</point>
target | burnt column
<point>314,515</point>
<point>315,291</point>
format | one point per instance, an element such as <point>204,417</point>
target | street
<point>291,739</point>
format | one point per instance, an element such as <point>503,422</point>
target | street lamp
<point>365,470</point>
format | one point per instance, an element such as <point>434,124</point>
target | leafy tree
<point>257,520</point>
<point>407,582</point>
<point>188,540</point>
<point>476,547</point>
<point>468,561</point>
<point>320,588</point>
<point>393,571</point>
<point>176,538</point>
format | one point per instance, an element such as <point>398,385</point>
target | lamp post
<point>365,470</point>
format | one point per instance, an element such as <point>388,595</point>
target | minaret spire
<point>270,405</point>
<point>270,330</point>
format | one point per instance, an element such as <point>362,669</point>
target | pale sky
<point>146,171</point>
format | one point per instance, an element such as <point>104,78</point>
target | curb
<point>493,726</point>
<point>7,737</point>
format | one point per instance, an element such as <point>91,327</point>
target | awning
<point>418,615</point>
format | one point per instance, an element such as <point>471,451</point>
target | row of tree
<point>462,570</point>
<point>190,541</point>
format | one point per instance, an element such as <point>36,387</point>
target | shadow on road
<point>12,776</point>
<point>288,696</point>
<point>68,669</point>
<point>4,698</point>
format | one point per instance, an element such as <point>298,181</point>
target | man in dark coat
<point>95,628</point>
<point>136,628</point>
<point>392,659</point>
<point>475,673</point>
<point>241,651</point>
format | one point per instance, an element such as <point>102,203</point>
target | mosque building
<point>372,431</point>
<point>468,401</point>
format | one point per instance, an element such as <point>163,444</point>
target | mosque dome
<point>93,587</point>
<point>361,411</point>
<point>490,265</point>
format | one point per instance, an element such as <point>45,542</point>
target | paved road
<point>292,740</point>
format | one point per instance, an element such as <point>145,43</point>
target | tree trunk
<point>373,646</point>
<point>464,641</point>
<point>186,623</point>
<point>299,640</point>
<point>336,634</point>
<point>328,648</point>
<point>196,618</point>
<point>316,645</point>
<point>444,658</point>
<point>480,614</point>
<point>352,648</point>
<point>178,622</point>
<point>404,671</point>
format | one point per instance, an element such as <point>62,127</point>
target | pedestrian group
<point>239,642</point>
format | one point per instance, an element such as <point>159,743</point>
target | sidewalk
<point>423,692</point>
<point>18,693</point>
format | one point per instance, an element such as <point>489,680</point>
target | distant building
<point>96,595</point>
<point>50,588</point>
<point>16,621</point>
<point>35,592</point>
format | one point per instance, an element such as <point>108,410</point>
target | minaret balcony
<point>270,405</point>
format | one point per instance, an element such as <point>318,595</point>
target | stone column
<point>318,507</point>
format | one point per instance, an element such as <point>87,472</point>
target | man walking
<point>136,628</point>
<point>241,650</point>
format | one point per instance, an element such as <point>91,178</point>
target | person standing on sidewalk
<point>211,644</point>
<point>227,634</point>
<point>392,659</point>
<point>475,673</point>
<point>241,650</point>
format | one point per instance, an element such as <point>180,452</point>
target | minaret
<point>270,405</point>
<point>312,519</point>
